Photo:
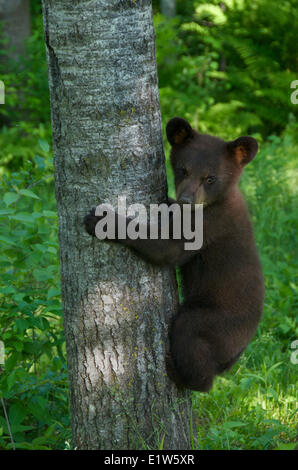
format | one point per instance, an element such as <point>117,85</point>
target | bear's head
<point>206,168</point>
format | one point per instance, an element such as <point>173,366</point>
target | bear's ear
<point>243,149</point>
<point>178,130</point>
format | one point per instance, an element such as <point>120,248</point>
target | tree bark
<point>107,142</point>
<point>16,23</point>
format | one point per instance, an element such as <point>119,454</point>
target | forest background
<point>227,67</point>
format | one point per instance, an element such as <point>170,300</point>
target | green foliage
<point>26,115</point>
<point>227,67</point>
<point>224,66</point>
<point>33,382</point>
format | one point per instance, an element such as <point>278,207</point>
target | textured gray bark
<point>15,19</point>
<point>107,142</point>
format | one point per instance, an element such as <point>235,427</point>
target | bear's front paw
<point>90,221</point>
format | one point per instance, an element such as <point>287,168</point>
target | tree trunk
<point>16,24</point>
<point>107,142</point>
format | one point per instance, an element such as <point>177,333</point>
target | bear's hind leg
<point>191,363</point>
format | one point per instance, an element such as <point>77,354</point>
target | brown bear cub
<point>222,282</point>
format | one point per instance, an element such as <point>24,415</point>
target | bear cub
<point>222,282</point>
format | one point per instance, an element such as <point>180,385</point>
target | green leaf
<point>18,345</point>
<point>7,290</point>
<point>11,379</point>
<point>20,428</point>
<point>40,412</point>
<point>10,198</point>
<point>28,193</point>
<point>234,424</point>
<point>25,218</point>
<point>44,145</point>
<point>41,275</point>
<point>21,324</point>
<point>258,377</point>
<point>161,443</point>
<point>50,214</point>
<point>6,212</point>
<point>17,414</point>
<point>39,162</point>
<point>274,367</point>
<point>6,240</point>
<point>53,292</point>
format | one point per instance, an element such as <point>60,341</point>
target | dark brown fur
<point>222,282</point>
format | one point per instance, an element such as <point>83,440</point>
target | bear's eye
<point>182,171</point>
<point>210,179</point>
